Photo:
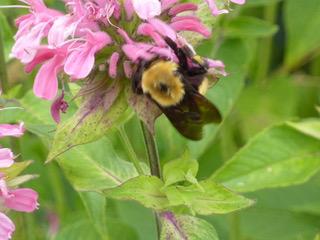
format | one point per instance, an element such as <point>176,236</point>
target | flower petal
<point>46,82</point>
<point>58,106</point>
<point>113,64</point>
<point>61,29</point>
<point>22,200</point>
<point>79,63</point>
<point>11,130</point>
<point>6,157</point>
<point>192,25</point>
<point>163,28</point>
<point>239,1</point>
<point>134,52</point>
<point>183,7</point>
<point>7,227</point>
<point>147,9</point>
<point>129,9</point>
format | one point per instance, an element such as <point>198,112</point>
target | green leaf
<point>182,169</point>
<point>254,3</point>
<point>95,166</point>
<point>178,227</point>
<point>277,157</point>
<point>249,27</point>
<point>122,231</point>
<point>136,216</point>
<point>310,127</point>
<point>95,205</point>
<point>302,21</point>
<point>285,225</point>
<point>211,198</point>
<point>144,189</point>
<point>91,122</point>
<point>7,35</point>
<point>78,230</point>
<point>15,170</point>
<point>317,237</point>
<point>32,110</point>
<point>149,191</point>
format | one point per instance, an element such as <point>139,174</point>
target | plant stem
<point>132,154</point>
<point>152,151</point>
<point>154,162</point>
<point>235,227</point>
<point>3,70</point>
<point>265,52</point>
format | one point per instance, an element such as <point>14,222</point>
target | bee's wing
<point>189,116</point>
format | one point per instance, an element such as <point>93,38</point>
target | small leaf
<point>150,192</point>
<point>183,227</point>
<point>92,121</point>
<point>182,169</point>
<point>15,170</point>
<point>144,189</point>
<point>249,27</point>
<point>212,198</point>
<point>277,157</point>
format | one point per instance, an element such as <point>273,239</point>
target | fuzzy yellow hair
<point>163,83</point>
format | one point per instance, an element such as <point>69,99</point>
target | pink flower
<point>147,9</point>
<point>239,1</point>
<point>54,224</point>
<point>58,106</point>
<point>113,62</point>
<point>46,82</point>
<point>12,130</point>
<point>22,200</point>
<point>216,11</point>
<point>6,157</point>
<point>32,29</point>
<point>6,227</point>
<point>80,60</point>
<point>121,33</point>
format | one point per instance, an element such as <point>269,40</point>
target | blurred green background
<point>271,49</point>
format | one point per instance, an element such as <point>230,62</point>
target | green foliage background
<point>268,146</point>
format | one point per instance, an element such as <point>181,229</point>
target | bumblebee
<point>178,88</point>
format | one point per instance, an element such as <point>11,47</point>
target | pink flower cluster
<point>20,199</point>
<point>121,32</point>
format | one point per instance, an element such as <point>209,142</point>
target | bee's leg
<point>195,71</point>
<point>183,60</point>
<point>137,77</point>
